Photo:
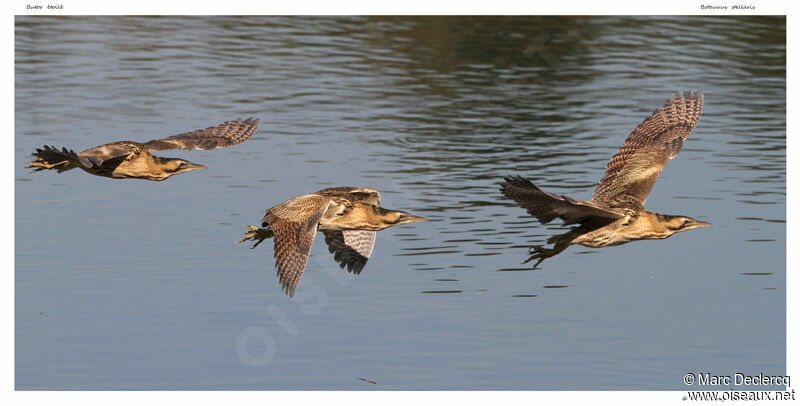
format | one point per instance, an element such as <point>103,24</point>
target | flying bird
<point>128,159</point>
<point>349,217</point>
<point>616,214</point>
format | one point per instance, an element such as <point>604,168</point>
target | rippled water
<point>129,284</point>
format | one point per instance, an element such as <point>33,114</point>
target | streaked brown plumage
<point>128,159</point>
<point>616,214</point>
<point>349,218</point>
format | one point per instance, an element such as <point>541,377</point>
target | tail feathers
<point>49,157</point>
<point>267,231</point>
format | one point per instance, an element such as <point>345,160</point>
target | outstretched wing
<point>634,169</point>
<point>110,155</point>
<point>364,194</point>
<point>294,223</point>
<point>546,206</point>
<point>351,248</point>
<point>368,195</point>
<point>224,135</point>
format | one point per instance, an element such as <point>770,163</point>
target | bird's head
<point>174,166</point>
<point>676,224</point>
<point>390,218</point>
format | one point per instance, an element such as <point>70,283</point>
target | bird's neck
<point>654,225</point>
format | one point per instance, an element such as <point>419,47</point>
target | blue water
<point>131,284</point>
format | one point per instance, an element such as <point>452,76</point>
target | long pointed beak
<point>410,218</point>
<point>195,166</point>
<point>696,224</point>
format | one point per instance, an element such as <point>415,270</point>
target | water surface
<point>131,284</point>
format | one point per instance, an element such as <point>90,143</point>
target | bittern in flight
<point>349,218</point>
<point>616,214</point>
<point>128,159</point>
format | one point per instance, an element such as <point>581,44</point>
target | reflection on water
<point>140,285</point>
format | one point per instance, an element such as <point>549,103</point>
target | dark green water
<point>141,285</point>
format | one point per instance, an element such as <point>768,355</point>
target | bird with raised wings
<point>616,214</point>
<point>128,159</point>
<point>349,217</point>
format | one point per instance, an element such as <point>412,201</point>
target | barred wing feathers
<point>634,169</point>
<point>224,135</point>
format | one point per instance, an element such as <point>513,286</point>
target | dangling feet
<point>49,157</point>
<point>40,165</point>
<point>257,234</point>
<point>540,253</point>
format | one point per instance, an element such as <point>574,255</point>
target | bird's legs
<point>562,241</point>
<point>40,165</point>
<point>541,253</point>
<point>257,234</point>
